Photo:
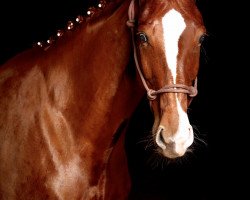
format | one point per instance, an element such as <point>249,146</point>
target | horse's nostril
<point>165,141</point>
<point>161,137</point>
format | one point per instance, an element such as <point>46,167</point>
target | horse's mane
<point>81,19</point>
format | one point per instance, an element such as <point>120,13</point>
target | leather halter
<point>173,88</point>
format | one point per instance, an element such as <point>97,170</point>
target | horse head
<point>167,38</point>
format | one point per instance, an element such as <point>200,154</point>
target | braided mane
<point>71,25</point>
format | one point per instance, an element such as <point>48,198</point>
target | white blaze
<point>173,26</point>
<point>184,134</point>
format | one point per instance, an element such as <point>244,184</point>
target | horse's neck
<point>102,89</point>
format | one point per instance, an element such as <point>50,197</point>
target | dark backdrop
<point>198,176</point>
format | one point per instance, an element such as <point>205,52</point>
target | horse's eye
<point>202,38</point>
<point>142,37</point>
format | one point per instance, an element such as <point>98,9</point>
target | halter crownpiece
<point>173,88</point>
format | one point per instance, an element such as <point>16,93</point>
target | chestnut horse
<point>65,104</point>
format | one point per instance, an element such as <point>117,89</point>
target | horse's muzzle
<point>174,145</point>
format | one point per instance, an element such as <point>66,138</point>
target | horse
<point>66,103</point>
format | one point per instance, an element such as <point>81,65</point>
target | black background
<point>209,171</point>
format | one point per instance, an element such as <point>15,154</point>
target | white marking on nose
<point>173,26</point>
<point>184,134</point>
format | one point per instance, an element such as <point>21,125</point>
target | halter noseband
<point>173,88</point>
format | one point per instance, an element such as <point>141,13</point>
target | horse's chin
<point>170,154</point>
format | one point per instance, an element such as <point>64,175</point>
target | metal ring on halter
<point>150,94</point>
